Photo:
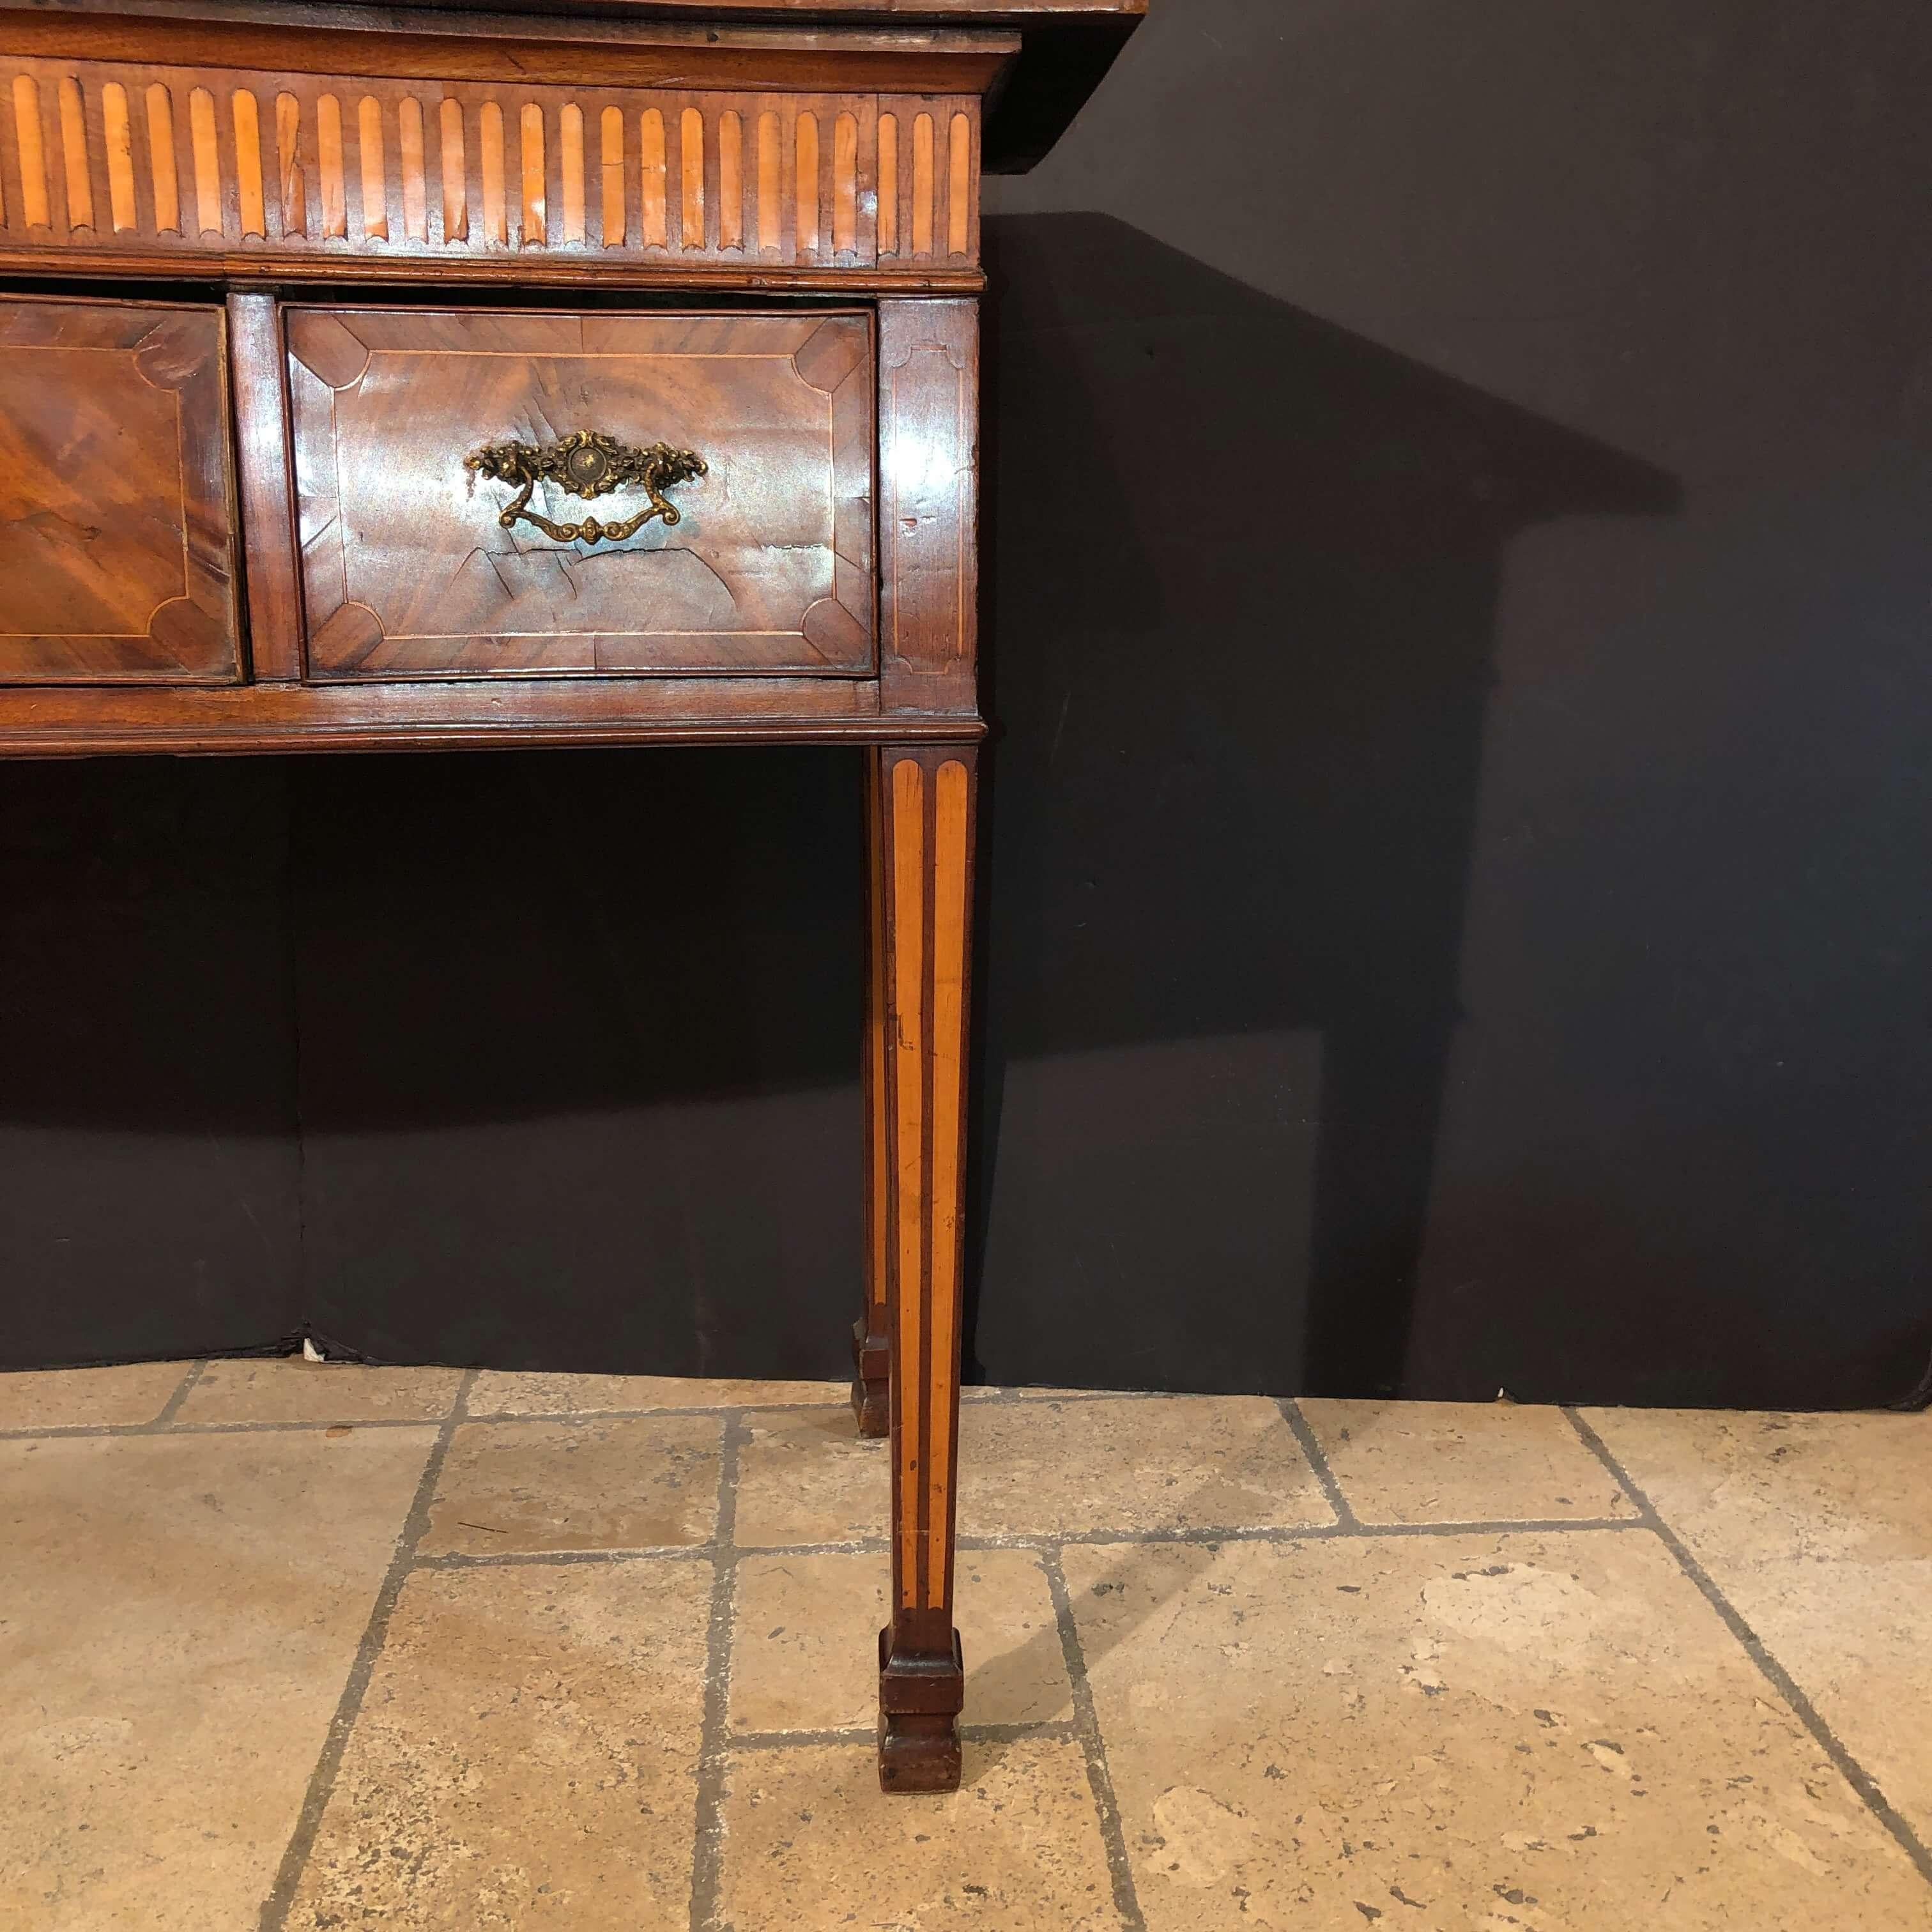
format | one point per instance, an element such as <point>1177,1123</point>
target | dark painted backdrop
<point>1461,508</point>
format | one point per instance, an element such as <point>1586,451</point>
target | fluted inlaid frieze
<point>107,159</point>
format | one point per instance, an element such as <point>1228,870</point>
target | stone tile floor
<point>287,1648</point>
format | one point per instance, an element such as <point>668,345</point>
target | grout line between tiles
<point>1317,1532</point>
<point>1039,1543</point>
<point>1003,1397</point>
<point>1317,1460</point>
<point>1054,1730</point>
<point>497,1418</point>
<point>514,1559</point>
<point>713,1754</point>
<point>867,1546</point>
<point>1780,1679</point>
<point>171,1407</point>
<point>322,1781</point>
<point>501,1415</point>
<point>1093,1747</point>
<point>159,1428</point>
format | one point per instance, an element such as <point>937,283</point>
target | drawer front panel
<point>116,531</point>
<point>408,572</point>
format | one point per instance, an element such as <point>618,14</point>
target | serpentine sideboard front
<point>584,372</point>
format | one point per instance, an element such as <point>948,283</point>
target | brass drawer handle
<point>587,464</point>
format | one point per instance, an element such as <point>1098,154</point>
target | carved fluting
<point>147,160</point>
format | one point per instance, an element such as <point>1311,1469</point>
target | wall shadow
<point>149,1172</point>
<point>1243,578</point>
<point>580,1041</point>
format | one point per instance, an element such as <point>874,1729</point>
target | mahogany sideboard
<point>583,372</point>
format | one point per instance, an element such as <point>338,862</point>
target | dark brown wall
<point>1504,966</point>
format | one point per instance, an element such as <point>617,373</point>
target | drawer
<point>117,531</point>
<point>467,480</point>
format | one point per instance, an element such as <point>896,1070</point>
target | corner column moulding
<point>324,308</point>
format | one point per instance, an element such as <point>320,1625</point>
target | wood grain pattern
<point>928,483</point>
<point>389,172</point>
<point>564,51</point>
<point>117,548</point>
<point>432,714</point>
<point>926,804</point>
<point>255,357</point>
<point>406,571</point>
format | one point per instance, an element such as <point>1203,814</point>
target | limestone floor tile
<point>500,1392</point>
<point>1818,1529</point>
<point>1461,1461</point>
<point>525,1756</point>
<point>803,1656</point>
<point>1043,1468</point>
<point>294,1390</point>
<point>1501,1732</point>
<point>1054,1468</point>
<point>508,1487</point>
<point>178,1617</point>
<point>135,1392</point>
<point>809,1478</point>
<point>809,1844</point>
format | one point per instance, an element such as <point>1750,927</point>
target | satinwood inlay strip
<point>374,175</point>
<point>731,181</point>
<point>907,886</point>
<point>74,155</point>
<point>410,156</point>
<point>496,217</point>
<point>328,158</point>
<point>535,205</point>
<point>950,823</point>
<point>845,185</point>
<point>291,190</point>
<point>207,161</point>
<point>655,204</point>
<point>888,184</point>
<point>921,185</point>
<point>119,134</point>
<point>250,196</point>
<point>33,159</point>
<point>610,157</point>
<point>770,237</point>
<point>691,178</point>
<point>959,188</point>
<point>161,160</point>
<point>808,183</point>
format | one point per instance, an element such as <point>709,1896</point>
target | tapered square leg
<point>872,1349</point>
<point>925,801</point>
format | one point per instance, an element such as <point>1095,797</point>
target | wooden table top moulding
<point>562,372</point>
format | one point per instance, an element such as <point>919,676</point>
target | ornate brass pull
<point>587,464</point>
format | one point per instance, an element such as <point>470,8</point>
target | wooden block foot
<point>919,1701</point>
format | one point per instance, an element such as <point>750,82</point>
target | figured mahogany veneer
<point>117,536</point>
<point>407,572</point>
<point>568,232</point>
